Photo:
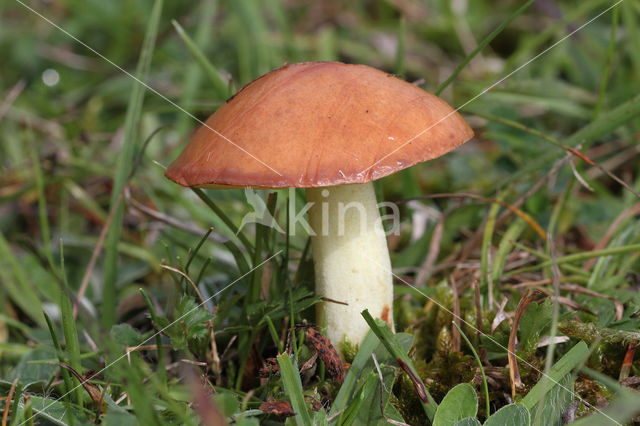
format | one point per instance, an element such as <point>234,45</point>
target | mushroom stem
<point>351,259</point>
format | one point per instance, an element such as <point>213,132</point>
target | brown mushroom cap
<point>319,124</point>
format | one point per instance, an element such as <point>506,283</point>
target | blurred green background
<point>67,146</point>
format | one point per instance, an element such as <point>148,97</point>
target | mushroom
<point>333,129</point>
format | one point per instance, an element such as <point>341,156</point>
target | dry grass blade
<point>512,208</point>
<point>382,389</point>
<point>580,289</point>
<point>171,221</point>
<point>575,288</point>
<point>500,315</point>
<point>628,361</point>
<point>477,237</point>
<point>107,224</point>
<point>94,392</point>
<point>11,96</point>
<point>417,382</point>
<point>309,363</point>
<point>7,406</point>
<point>146,348</point>
<point>514,372</point>
<point>189,280</point>
<point>432,255</point>
<point>567,148</point>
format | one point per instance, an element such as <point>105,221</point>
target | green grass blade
<point>485,387</point>
<point>629,18</point>
<point>631,248</point>
<point>193,71</point>
<point>162,374</point>
<point>219,86</point>
<point>124,165</point>
<point>606,123</point>
<point>68,384</point>
<point>381,329</point>
<point>293,388</point>
<point>276,8</point>
<point>220,213</point>
<point>572,359</point>
<point>607,67</point>
<point>69,327</point>
<point>351,414</point>
<point>504,248</point>
<point>274,333</point>
<point>487,236</point>
<point>367,347</point>
<point>482,45</point>
<point>555,273</point>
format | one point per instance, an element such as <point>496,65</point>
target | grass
<point>104,263</point>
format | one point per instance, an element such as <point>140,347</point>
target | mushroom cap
<point>318,124</point>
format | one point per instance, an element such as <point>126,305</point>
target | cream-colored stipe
<point>351,259</point>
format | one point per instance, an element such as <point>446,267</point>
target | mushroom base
<point>351,259</point>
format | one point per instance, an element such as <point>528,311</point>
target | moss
<point>348,349</point>
<point>406,401</point>
<point>589,332</point>
<point>592,392</point>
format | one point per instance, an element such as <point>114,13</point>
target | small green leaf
<point>357,368</point>
<point>293,388</point>
<point>125,335</point>
<point>28,372</point>
<point>469,421</point>
<point>53,411</point>
<point>555,402</point>
<point>534,321</point>
<point>227,403</point>
<point>461,402</point>
<point>190,323</point>
<point>510,415</point>
<point>386,336</point>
